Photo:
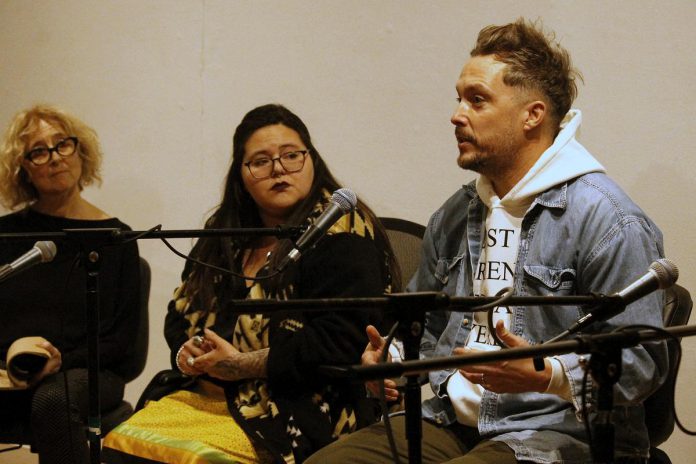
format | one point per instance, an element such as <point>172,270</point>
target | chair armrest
<point>162,384</point>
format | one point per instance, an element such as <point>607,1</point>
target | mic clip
<point>607,307</point>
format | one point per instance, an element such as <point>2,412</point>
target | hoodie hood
<point>564,160</point>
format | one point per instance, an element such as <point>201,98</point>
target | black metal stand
<point>410,309</point>
<point>605,368</point>
<point>91,241</point>
<point>605,364</point>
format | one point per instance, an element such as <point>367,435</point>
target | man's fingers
<point>374,337</point>
<point>390,391</point>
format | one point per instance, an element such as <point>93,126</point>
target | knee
<point>354,448</point>
<point>322,456</point>
<point>48,402</point>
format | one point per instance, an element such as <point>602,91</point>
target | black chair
<point>659,415</point>
<point>20,434</point>
<point>405,237</point>
<point>136,364</point>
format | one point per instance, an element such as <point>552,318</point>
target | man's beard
<point>488,156</point>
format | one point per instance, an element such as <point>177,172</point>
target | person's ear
<point>534,115</point>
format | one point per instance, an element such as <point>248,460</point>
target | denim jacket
<point>581,236</point>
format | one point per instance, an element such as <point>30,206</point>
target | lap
<point>52,392</point>
<point>184,426</point>
<point>75,384</point>
<point>439,445</point>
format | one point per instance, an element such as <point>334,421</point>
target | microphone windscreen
<point>666,271</point>
<point>345,199</point>
<point>47,249</point>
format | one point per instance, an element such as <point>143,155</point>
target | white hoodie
<point>564,160</point>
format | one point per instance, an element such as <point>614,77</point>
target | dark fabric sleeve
<point>175,326</point>
<point>175,322</point>
<point>119,310</point>
<point>344,265</point>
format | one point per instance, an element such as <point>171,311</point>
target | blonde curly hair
<point>15,189</point>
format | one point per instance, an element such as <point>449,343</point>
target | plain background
<point>165,82</point>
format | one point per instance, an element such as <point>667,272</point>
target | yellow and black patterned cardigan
<point>296,410</point>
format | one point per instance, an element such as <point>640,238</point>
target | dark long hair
<point>238,209</point>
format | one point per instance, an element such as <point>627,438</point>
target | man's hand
<point>371,355</point>
<point>512,376</point>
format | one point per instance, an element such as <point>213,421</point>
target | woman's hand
<point>223,361</point>
<point>53,364</point>
<point>186,356</point>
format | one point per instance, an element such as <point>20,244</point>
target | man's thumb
<point>374,337</point>
<point>507,337</point>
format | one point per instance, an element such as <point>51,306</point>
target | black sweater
<point>48,299</point>
<point>342,265</point>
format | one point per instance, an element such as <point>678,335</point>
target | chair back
<point>659,415</point>
<point>134,365</point>
<point>405,237</point>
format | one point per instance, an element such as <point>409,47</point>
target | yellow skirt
<point>188,428</point>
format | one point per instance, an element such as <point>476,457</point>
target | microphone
<point>662,273</point>
<point>342,201</point>
<point>41,252</point>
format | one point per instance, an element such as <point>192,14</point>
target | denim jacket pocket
<point>553,279</point>
<point>444,268</point>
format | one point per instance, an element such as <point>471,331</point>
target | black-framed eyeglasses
<point>262,167</point>
<point>42,155</point>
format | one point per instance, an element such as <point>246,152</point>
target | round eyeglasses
<point>42,155</point>
<point>262,167</point>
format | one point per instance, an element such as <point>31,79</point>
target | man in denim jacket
<point>544,219</point>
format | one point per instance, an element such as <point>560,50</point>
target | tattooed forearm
<point>242,366</point>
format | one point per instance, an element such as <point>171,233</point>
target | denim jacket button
<point>465,322</point>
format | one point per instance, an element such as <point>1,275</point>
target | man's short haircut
<point>535,61</point>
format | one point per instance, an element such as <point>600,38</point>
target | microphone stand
<point>411,318</point>
<point>410,309</point>
<point>91,242</point>
<point>605,366</point>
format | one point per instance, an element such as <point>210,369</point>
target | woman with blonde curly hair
<point>19,166</point>
<point>47,157</point>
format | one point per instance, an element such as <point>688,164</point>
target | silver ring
<point>197,341</point>
<point>190,360</point>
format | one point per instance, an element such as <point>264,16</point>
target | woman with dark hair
<point>258,395</point>
<point>47,157</point>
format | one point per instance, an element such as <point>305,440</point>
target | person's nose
<point>278,168</point>
<point>53,155</point>
<point>459,117</point>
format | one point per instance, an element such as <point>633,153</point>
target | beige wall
<point>165,82</point>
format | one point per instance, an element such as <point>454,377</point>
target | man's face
<point>489,118</point>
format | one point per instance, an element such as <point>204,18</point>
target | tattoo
<point>242,366</point>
